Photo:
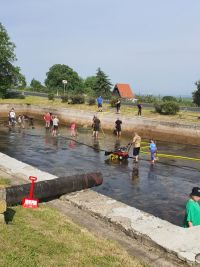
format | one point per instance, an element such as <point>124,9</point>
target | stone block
<point>2,194</point>
<point>2,206</point>
<point>2,218</point>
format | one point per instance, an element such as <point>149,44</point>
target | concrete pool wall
<point>179,244</point>
<point>176,132</point>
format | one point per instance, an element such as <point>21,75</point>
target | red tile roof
<point>124,90</point>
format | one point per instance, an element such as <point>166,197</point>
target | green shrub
<point>77,99</point>
<point>169,99</point>
<point>170,108</point>
<point>91,101</point>
<point>158,107</point>
<point>167,108</point>
<point>13,95</point>
<point>51,96</point>
<point>65,98</point>
<point>113,101</point>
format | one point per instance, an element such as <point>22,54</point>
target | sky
<point>152,45</point>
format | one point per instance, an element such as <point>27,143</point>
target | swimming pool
<point>161,189</point>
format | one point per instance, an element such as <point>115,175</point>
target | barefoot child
<point>73,130</point>
<point>153,150</point>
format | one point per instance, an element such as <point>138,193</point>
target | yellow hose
<point>173,156</point>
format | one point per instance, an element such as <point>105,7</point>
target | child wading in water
<point>192,210</point>
<point>73,130</point>
<point>153,150</point>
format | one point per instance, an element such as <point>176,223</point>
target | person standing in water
<point>136,146</point>
<point>55,126</point>
<point>192,209</point>
<point>12,117</point>
<point>73,131</point>
<point>20,122</point>
<point>47,118</point>
<point>118,127</point>
<point>153,150</point>
<point>96,126</point>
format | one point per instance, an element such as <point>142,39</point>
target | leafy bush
<point>51,96</point>
<point>167,108</point>
<point>113,101</point>
<point>13,94</point>
<point>91,101</point>
<point>170,108</point>
<point>77,99</point>
<point>21,97</point>
<point>65,98</point>
<point>158,107</point>
<point>169,98</point>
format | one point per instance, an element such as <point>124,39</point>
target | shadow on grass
<point>9,215</point>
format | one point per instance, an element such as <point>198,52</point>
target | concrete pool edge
<point>178,243</point>
<point>176,132</point>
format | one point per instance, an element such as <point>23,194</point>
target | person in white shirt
<point>12,116</point>
<point>55,126</point>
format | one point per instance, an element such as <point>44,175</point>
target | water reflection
<point>117,144</point>
<point>152,172</point>
<point>135,174</point>
<point>72,144</point>
<point>96,145</point>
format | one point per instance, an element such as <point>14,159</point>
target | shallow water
<point>161,189</point>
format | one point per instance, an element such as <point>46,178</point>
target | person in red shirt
<point>47,118</point>
<point>73,129</point>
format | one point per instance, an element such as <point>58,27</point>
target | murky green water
<point>161,189</point>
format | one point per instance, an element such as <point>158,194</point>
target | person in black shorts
<point>118,127</point>
<point>96,126</point>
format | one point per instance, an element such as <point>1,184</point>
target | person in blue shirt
<point>153,150</point>
<point>99,103</point>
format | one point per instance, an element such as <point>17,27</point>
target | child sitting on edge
<point>73,129</point>
<point>153,150</point>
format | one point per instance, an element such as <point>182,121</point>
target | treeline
<point>61,79</point>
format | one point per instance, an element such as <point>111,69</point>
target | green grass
<point>44,237</point>
<point>182,116</point>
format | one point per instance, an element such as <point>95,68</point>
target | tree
<point>36,85</point>
<point>57,73</point>
<point>20,80</point>
<point>7,57</point>
<point>196,94</point>
<point>169,98</point>
<point>102,85</point>
<point>89,84</point>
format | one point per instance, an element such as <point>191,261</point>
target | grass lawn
<point>182,116</point>
<point>44,237</point>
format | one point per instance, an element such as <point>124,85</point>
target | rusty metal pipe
<point>54,188</point>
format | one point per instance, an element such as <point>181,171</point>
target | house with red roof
<point>123,90</point>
